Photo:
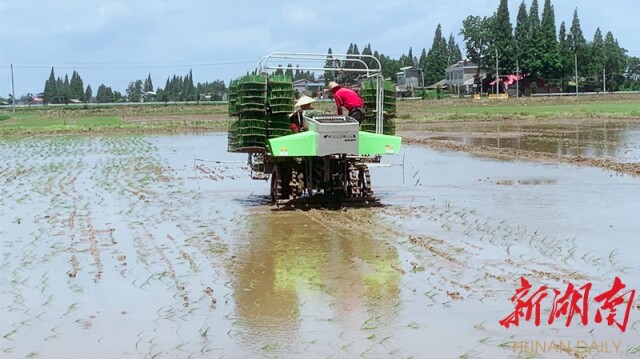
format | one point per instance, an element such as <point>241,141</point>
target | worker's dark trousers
<point>358,113</point>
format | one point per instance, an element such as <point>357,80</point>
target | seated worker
<point>297,124</point>
<point>348,99</point>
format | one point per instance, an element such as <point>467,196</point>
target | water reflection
<point>619,140</point>
<point>301,278</point>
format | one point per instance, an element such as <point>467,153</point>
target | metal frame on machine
<point>374,73</point>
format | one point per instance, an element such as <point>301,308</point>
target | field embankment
<point>114,119</point>
<point>213,117</point>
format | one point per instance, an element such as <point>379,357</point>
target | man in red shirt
<point>348,99</point>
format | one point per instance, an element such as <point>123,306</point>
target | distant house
<point>36,100</point>
<point>304,86</point>
<point>148,96</point>
<point>408,80</point>
<point>460,77</point>
<point>440,85</point>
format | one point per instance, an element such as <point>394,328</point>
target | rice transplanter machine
<point>330,158</point>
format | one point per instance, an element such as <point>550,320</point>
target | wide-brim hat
<point>304,100</point>
<point>331,86</point>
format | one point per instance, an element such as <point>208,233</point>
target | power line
<point>185,62</point>
<point>125,66</point>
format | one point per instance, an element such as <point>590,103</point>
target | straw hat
<point>332,85</point>
<point>304,100</point>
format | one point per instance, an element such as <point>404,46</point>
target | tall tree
<point>436,58</point>
<point>138,89</point>
<point>132,94</point>
<point>566,54</point>
<point>578,45</point>
<point>615,62</point>
<point>104,94</point>
<point>50,88</point>
<point>390,67</point>
<point>597,55</point>
<point>550,56</point>
<point>534,15</point>
<point>475,31</point>
<point>355,51</point>
<point>632,74</point>
<point>522,36</point>
<point>368,61</point>
<point>422,62</point>
<point>350,64</point>
<point>532,61</point>
<point>148,84</point>
<point>344,77</point>
<point>289,71</point>
<point>117,96</point>
<point>453,51</point>
<point>501,40</point>
<point>297,75</point>
<point>76,87</point>
<point>409,59</point>
<point>188,88</point>
<point>329,64</point>
<point>88,94</point>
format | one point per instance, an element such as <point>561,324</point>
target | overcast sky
<point>115,42</point>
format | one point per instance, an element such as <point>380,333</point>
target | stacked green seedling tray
<point>261,108</point>
<point>233,140</point>
<point>368,94</point>
<point>232,132</point>
<point>250,105</point>
<point>233,97</point>
<point>281,105</point>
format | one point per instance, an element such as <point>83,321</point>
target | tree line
<point>57,90</point>
<point>177,88</point>
<point>442,53</point>
<point>537,49</point>
<point>534,48</point>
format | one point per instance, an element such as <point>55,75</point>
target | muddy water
<point>618,140</point>
<point>161,246</point>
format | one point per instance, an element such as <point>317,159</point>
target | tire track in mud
<point>338,260</point>
<point>461,248</point>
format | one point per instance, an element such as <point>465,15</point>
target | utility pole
<point>517,78</point>
<point>13,90</point>
<point>497,76</point>
<point>604,81</point>
<point>576,63</point>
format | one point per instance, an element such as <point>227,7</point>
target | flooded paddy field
<point>612,144</point>
<point>161,246</point>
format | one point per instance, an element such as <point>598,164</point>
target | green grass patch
<point>4,117</point>
<point>528,108</point>
<point>33,121</point>
<point>102,119</point>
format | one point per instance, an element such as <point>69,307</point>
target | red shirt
<point>348,99</point>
